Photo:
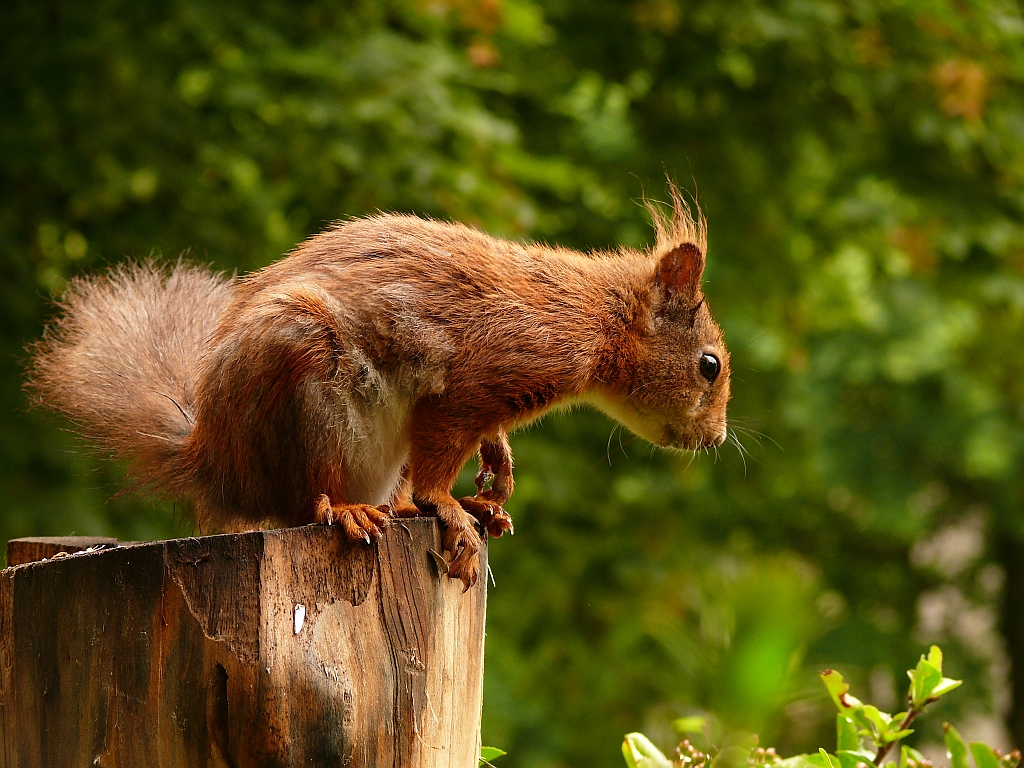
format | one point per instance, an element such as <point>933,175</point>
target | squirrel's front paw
<point>491,515</point>
<point>359,521</point>
<point>501,484</point>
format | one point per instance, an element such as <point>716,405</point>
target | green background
<point>861,165</point>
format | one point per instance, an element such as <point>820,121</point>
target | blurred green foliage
<point>861,164</point>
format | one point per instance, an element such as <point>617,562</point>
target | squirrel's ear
<point>680,270</point>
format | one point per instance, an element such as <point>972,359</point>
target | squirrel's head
<point>672,375</point>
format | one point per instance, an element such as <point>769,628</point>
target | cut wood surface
<point>273,648</point>
<point>31,550</point>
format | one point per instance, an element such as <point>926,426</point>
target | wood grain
<point>190,653</point>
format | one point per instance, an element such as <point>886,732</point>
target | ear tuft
<point>679,272</point>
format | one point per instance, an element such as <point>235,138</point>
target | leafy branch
<point>857,721</point>
<point>864,734</point>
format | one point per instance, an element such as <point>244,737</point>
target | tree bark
<point>271,648</point>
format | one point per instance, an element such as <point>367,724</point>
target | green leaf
<point>628,754</point>
<point>489,753</point>
<point>935,657</point>
<point>945,686</point>
<point>640,753</point>
<point>830,761</point>
<point>984,756</point>
<point>846,734</point>
<point>926,677</point>
<point>913,756</point>
<point>956,749</point>
<point>839,691</point>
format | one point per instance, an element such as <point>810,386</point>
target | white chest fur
<point>375,442</point>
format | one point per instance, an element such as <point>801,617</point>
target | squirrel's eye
<point>709,367</point>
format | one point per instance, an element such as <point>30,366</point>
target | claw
<point>465,569</point>
<point>361,522</point>
<point>500,524</point>
<point>440,561</point>
<point>491,516</point>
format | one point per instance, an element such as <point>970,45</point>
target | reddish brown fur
<point>389,348</point>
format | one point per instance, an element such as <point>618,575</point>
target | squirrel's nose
<point>719,439</point>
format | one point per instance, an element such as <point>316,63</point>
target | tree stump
<point>272,648</point>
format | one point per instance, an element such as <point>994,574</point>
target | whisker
<point>740,449</point>
<point>743,459</point>
<point>747,428</point>
<point>746,422</point>
<point>736,438</point>
<point>755,435</point>
<point>621,448</point>
<point>748,425</point>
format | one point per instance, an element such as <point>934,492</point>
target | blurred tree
<point>862,168</point>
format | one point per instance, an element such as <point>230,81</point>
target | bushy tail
<point>121,360</point>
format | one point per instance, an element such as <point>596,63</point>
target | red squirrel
<point>350,381</point>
